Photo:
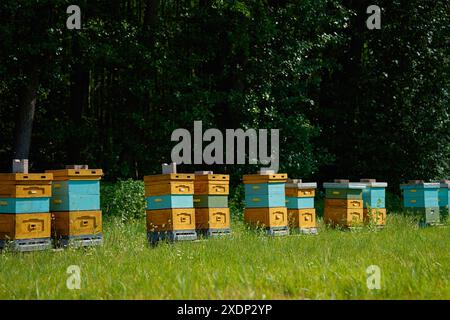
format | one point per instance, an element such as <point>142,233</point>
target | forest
<point>350,102</point>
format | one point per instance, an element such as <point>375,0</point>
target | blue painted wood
<point>265,189</point>
<point>299,203</point>
<point>24,205</point>
<point>75,202</point>
<point>265,201</point>
<point>374,197</point>
<point>426,199</point>
<point>81,187</point>
<point>444,197</point>
<point>170,201</point>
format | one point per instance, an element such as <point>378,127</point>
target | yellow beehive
<point>212,218</point>
<point>266,217</point>
<point>302,218</point>
<point>77,223</point>
<point>170,219</point>
<point>25,226</point>
<point>212,184</point>
<point>25,217</point>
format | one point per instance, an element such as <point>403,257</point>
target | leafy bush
<point>124,199</point>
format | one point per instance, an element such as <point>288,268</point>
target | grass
<point>415,264</point>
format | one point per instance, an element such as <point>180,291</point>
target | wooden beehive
<point>25,211</point>
<point>265,202</point>
<point>170,208</point>
<point>344,203</point>
<point>75,206</point>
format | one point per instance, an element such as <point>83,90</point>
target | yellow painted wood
<point>263,178</point>
<point>25,178</point>
<point>169,177</point>
<point>25,191</point>
<point>266,217</point>
<point>211,187</point>
<point>212,218</point>
<point>344,203</point>
<point>170,219</point>
<point>347,217</point>
<point>76,174</point>
<point>300,193</point>
<point>375,215</point>
<point>302,218</point>
<point>212,177</point>
<point>172,187</point>
<point>76,223</point>
<point>25,226</point>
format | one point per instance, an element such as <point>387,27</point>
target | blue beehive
<point>422,198</point>
<point>444,198</point>
<point>374,202</point>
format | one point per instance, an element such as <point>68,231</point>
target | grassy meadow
<point>414,263</point>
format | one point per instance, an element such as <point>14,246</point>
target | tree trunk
<point>24,122</point>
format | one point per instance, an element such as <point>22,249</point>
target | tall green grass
<point>414,263</point>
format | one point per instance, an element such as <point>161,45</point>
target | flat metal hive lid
<point>344,185</point>
<point>420,184</point>
<point>301,185</point>
<point>373,183</point>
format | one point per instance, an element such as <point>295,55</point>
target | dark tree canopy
<point>349,101</point>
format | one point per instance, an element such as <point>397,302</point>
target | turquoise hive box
<point>422,198</point>
<point>170,202</point>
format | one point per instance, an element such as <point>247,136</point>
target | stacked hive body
<point>300,206</point>
<point>343,203</point>
<point>265,204</point>
<point>75,207</point>
<point>170,210</point>
<point>25,221</point>
<point>374,201</point>
<point>444,198</point>
<point>212,215</point>
<point>422,199</point>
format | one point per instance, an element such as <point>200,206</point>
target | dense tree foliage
<point>349,101</point>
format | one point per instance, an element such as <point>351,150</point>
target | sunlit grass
<point>415,264</point>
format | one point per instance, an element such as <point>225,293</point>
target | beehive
<point>25,211</point>
<point>300,206</point>
<point>265,202</point>
<point>212,215</point>
<point>374,202</point>
<point>444,199</point>
<point>344,203</point>
<point>75,207</point>
<point>170,207</point>
<point>422,199</point>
